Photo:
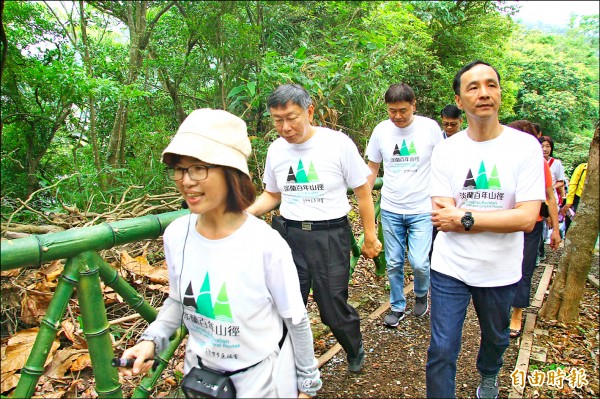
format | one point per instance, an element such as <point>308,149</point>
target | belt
<point>317,225</point>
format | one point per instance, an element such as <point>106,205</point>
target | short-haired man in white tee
<point>487,184</point>
<point>307,173</point>
<point>404,143</point>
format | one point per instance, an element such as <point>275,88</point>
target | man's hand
<point>555,239</point>
<point>447,217</point>
<point>371,247</point>
<point>564,209</point>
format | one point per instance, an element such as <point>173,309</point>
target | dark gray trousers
<point>322,259</point>
<point>530,248</point>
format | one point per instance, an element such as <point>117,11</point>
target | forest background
<point>92,91</point>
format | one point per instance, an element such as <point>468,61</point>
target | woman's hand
<point>142,353</point>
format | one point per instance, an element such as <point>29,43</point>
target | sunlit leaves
<point>558,82</point>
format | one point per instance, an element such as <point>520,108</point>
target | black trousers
<point>322,259</point>
<point>574,206</point>
<point>530,250</point>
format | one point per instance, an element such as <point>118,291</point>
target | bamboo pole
<point>49,327</point>
<point>96,328</point>
<point>147,384</point>
<point>39,249</point>
<point>379,260</point>
<point>354,248</point>
<point>121,287</point>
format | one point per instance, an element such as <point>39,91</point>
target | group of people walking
<point>241,287</point>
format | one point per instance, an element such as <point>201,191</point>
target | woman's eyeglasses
<point>195,172</point>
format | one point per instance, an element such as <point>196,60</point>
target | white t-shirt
<point>313,177</point>
<point>557,170</point>
<point>406,155</point>
<point>234,291</point>
<point>485,176</point>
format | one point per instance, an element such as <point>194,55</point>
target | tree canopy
<point>94,90</point>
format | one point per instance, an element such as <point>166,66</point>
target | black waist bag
<point>202,382</point>
<point>206,383</point>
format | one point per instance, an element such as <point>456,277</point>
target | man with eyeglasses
<point>307,172</point>
<point>451,120</point>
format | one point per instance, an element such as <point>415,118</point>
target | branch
<point>100,5</point>
<point>146,37</point>
<point>24,204</point>
<point>160,13</point>
<point>67,33</point>
<point>114,209</point>
<point>23,116</point>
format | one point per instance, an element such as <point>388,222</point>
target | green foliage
<point>573,152</point>
<point>231,55</point>
<point>42,80</point>
<point>558,82</point>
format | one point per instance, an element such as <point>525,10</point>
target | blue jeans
<point>449,301</point>
<point>396,229</point>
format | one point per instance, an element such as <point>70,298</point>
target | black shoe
<point>488,388</point>
<point>355,364</point>
<point>421,305</point>
<point>393,318</point>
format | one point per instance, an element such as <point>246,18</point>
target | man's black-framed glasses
<point>195,172</point>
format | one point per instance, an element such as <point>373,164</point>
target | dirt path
<point>396,358</point>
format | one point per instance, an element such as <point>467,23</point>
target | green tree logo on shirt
<point>405,150</point>
<point>482,182</point>
<point>203,302</point>
<point>301,175</point>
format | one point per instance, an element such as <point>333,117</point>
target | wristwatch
<point>467,221</point>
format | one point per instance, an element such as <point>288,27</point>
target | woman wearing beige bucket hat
<point>232,277</point>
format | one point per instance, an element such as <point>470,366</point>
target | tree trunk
<point>117,135</point>
<point>91,100</point>
<point>4,42</point>
<point>575,263</point>
<point>36,151</point>
<point>133,14</point>
<point>172,88</point>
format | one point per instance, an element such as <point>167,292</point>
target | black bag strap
<point>285,330</point>
<point>230,373</point>
<point>225,373</point>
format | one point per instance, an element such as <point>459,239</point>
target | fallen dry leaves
<point>15,354</point>
<point>140,266</point>
<point>68,356</point>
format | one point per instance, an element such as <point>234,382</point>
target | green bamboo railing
<point>36,250</point>
<point>84,270</point>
